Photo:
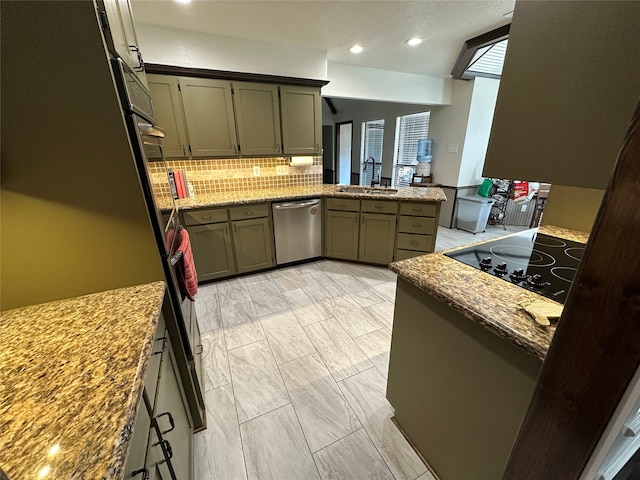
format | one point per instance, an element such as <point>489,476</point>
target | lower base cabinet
<point>341,234</point>
<point>377,237</point>
<point>253,244</point>
<point>212,251</point>
<point>162,441</point>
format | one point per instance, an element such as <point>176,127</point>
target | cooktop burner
<point>535,261</point>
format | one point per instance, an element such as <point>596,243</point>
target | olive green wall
<point>73,217</point>
<point>572,207</point>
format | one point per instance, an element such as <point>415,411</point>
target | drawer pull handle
<point>417,210</point>
<point>200,348</point>
<point>414,242</point>
<point>205,217</point>
<point>416,225</point>
<point>379,206</point>
<point>356,218</point>
<point>249,213</point>
<point>171,422</point>
<point>164,345</point>
<point>343,205</point>
<point>166,450</point>
<point>143,471</point>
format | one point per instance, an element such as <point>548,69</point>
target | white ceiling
<point>381,27</point>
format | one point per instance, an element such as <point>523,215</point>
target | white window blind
<point>371,151</point>
<point>409,129</point>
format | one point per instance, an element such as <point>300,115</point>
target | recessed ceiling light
<point>183,1</point>
<point>414,41</point>
<point>356,49</point>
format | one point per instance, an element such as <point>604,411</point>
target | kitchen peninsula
<point>464,361</point>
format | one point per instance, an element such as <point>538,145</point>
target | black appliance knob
<point>485,263</point>
<point>518,275</point>
<point>536,281</point>
<point>501,269</point>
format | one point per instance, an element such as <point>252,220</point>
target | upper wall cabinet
<point>123,34</point>
<point>568,90</point>
<point>257,118</point>
<point>169,114</point>
<point>301,120</point>
<point>208,110</point>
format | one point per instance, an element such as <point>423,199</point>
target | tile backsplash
<point>234,174</point>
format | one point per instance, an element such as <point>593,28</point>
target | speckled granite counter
<point>488,300</point>
<point>420,194</point>
<point>72,373</point>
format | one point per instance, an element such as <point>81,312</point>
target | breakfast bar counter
<point>464,362</point>
<point>71,381</point>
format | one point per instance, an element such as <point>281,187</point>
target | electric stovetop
<point>541,263</point>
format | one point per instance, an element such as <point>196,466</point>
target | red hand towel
<point>188,265</point>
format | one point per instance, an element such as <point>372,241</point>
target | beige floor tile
<point>324,413</point>
<point>376,346</point>
<point>366,395</point>
<point>218,449</point>
<point>208,313</point>
<point>306,308</point>
<point>241,325</point>
<point>352,458</point>
<point>275,448</point>
<point>267,298</point>
<point>348,313</point>
<point>383,314</point>
<point>286,337</point>
<point>337,349</point>
<point>215,361</point>
<point>256,380</point>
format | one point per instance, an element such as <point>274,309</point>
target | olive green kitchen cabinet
<point>208,110</point>
<point>210,242</point>
<point>417,229</point>
<point>257,116</point>
<point>301,111</point>
<point>252,237</point>
<point>342,228</point>
<point>377,238</point>
<point>123,34</point>
<point>167,104</point>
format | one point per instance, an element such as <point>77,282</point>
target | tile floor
<point>295,366</point>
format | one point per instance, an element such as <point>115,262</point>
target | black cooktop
<point>541,263</point>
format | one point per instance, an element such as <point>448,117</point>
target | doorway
<point>344,139</point>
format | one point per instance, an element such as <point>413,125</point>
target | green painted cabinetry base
<point>459,391</point>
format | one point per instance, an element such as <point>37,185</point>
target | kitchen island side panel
<point>459,391</point>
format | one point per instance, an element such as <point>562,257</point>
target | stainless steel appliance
<point>297,229</point>
<point>146,142</point>
<point>541,263</point>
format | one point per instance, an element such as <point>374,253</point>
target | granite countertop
<point>71,377</point>
<point>488,300</point>
<point>420,194</point>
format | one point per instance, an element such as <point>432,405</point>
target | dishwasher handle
<point>287,206</point>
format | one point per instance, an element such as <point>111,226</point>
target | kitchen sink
<point>366,190</point>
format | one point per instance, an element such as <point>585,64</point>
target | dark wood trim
<point>227,75</point>
<point>330,104</point>
<point>472,45</point>
<point>596,348</point>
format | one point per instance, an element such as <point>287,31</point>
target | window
<point>409,129</point>
<point>371,152</point>
<point>482,56</point>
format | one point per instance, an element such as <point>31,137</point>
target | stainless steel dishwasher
<point>297,227</point>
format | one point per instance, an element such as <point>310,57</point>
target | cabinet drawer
<point>404,254</point>
<point>345,204</point>
<point>422,225</point>
<point>249,211</point>
<point>201,217</point>
<point>421,243</point>
<point>379,206</point>
<point>418,209</point>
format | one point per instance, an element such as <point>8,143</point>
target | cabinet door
<point>123,34</point>
<point>257,118</point>
<point>253,244</point>
<point>138,451</point>
<point>301,120</point>
<point>169,114</point>
<point>172,419</point>
<point>208,110</point>
<point>341,235</point>
<point>377,235</point>
<point>212,253</point>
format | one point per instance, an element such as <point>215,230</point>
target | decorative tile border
<point>236,174</point>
